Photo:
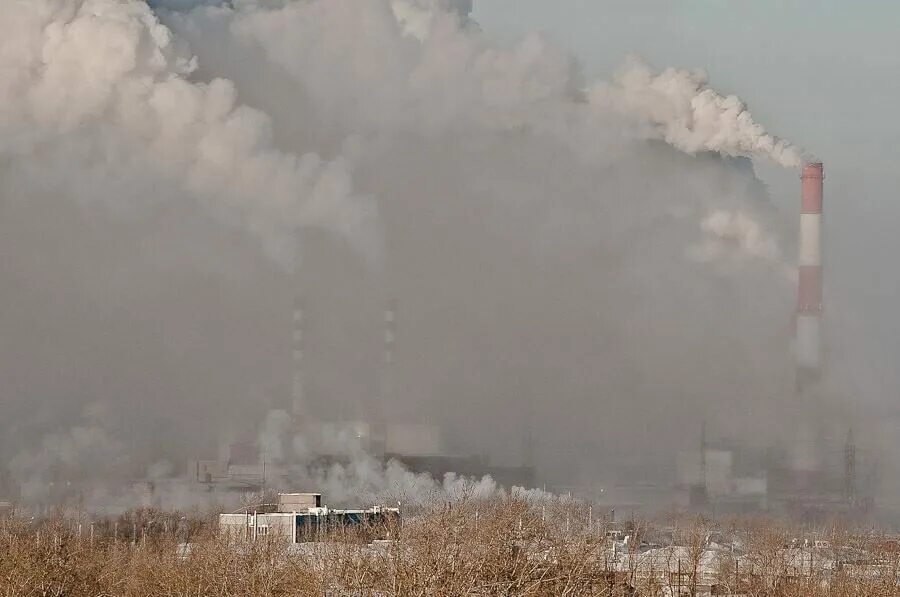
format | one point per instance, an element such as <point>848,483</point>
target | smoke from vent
<point>680,107</point>
<point>564,251</point>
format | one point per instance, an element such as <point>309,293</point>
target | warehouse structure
<point>301,517</point>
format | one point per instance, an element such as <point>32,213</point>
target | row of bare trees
<point>502,546</point>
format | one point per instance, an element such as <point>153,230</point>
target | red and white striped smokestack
<point>809,287</point>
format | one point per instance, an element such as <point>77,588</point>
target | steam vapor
<point>679,107</point>
<point>94,88</point>
<point>460,170</point>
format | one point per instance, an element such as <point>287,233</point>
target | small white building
<point>299,517</point>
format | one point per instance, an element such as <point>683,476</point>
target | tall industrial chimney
<point>298,406</point>
<point>378,414</point>
<point>390,336</point>
<point>809,290</point>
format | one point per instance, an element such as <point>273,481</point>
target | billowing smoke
<point>98,91</point>
<point>679,106</point>
<point>597,263</point>
<point>416,16</point>
<point>65,454</point>
<point>735,229</point>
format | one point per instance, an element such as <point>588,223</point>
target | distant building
<point>300,517</point>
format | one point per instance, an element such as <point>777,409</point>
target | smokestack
<point>379,412</point>
<point>390,333</point>
<point>298,407</point>
<point>809,290</point>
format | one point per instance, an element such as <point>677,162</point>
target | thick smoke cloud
<point>108,80</point>
<point>593,262</point>
<point>680,107</point>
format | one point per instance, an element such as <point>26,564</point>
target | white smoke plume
<point>93,89</point>
<point>64,456</point>
<point>417,16</point>
<point>679,107</point>
<point>271,437</point>
<point>356,477</point>
<point>397,67</point>
<point>726,229</point>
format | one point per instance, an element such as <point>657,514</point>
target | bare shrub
<point>499,546</point>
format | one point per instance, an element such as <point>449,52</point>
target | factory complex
<point>818,474</point>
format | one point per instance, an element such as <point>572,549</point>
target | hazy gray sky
<point>822,73</point>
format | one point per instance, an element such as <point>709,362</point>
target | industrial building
<point>300,517</point>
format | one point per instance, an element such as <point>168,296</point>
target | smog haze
<point>583,215</point>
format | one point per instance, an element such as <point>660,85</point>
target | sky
<point>824,74</point>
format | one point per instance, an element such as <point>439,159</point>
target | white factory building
<point>301,517</point>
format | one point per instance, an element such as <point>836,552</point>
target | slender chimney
<point>390,336</point>
<point>298,406</point>
<point>809,290</point>
<point>378,418</point>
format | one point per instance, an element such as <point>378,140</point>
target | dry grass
<point>498,547</point>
